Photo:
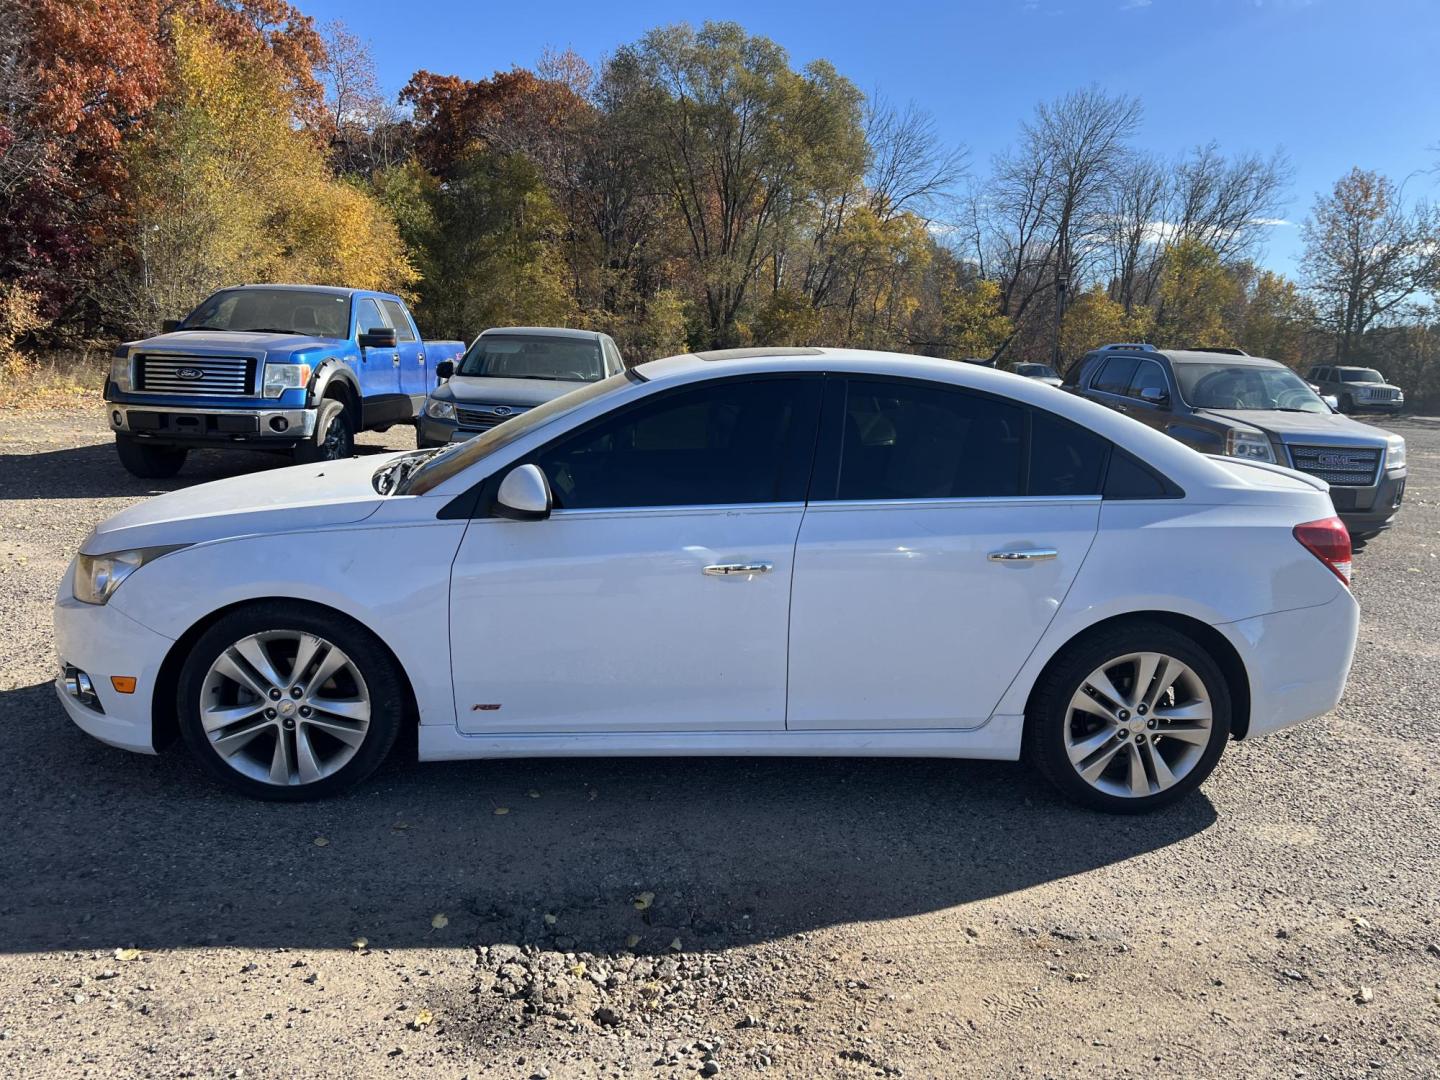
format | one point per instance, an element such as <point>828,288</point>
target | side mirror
<point>1153,395</point>
<point>524,495</point>
<point>378,337</point>
<point>169,326</point>
<point>444,370</point>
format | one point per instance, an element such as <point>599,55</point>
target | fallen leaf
<point>550,920</point>
<point>501,811</point>
<point>675,944</point>
<point>578,970</point>
<point>359,943</point>
<point>400,826</point>
<point>533,793</point>
<point>127,954</point>
<point>320,841</point>
<point>422,1020</point>
<point>632,941</point>
<point>643,900</point>
<point>439,922</point>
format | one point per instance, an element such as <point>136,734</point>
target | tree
<point>742,142</point>
<point>1094,319</point>
<point>1196,295</point>
<point>974,325</point>
<point>1277,320</point>
<point>1367,259</point>
<point>226,187</point>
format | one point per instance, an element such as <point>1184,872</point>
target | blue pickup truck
<point>296,368</point>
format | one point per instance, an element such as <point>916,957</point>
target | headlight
<point>1249,444</point>
<point>120,370</point>
<point>1395,454</point>
<point>282,377</point>
<point>440,409</point>
<point>98,576</point>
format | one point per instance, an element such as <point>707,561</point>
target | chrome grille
<point>1380,393</point>
<point>481,417</point>
<point>170,373</point>
<point>1344,466</point>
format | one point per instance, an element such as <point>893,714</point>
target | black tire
<point>1048,713</point>
<point>334,436</point>
<point>148,460</point>
<point>382,682</point>
<point>1347,404</point>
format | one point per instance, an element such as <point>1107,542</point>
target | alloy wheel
<point>1138,725</point>
<point>284,707</point>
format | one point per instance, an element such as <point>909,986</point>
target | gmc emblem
<point>1336,461</point>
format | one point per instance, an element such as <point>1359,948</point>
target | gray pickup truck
<point>1221,401</point>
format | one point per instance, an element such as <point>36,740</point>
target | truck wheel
<point>1347,404</point>
<point>148,461</point>
<point>334,436</point>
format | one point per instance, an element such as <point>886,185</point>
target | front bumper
<point>1370,509</point>
<point>432,432</point>
<point>186,426</point>
<point>103,642</point>
<point>1297,661</point>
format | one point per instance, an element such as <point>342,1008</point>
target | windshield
<point>1363,374</point>
<point>1223,386</point>
<point>1035,371</point>
<point>461,455</point>
<point>277,311</point>
<point>534,356</point>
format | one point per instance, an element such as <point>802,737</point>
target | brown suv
<point>1222,401</point>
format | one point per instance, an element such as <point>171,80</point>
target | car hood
<point>202,342</point>
<point>525,393</point>
<point>273,501</point>
<point>1297,427</point>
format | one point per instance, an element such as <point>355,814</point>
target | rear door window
<point>399,320</point>
<point>1115,376</point>
<point>905,440</point>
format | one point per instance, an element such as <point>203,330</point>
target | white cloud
<point>1131,5</point>
<point>1271,222</point>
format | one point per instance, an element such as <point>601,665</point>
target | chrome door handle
<point>395,357</point>
<point>1025,555</point>
<point>728,569</point>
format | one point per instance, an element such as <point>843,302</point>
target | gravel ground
<point>830,918</point>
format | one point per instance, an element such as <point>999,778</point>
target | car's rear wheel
<point>148,461</point>
<point>1129,719</point>
<point>285,701</point>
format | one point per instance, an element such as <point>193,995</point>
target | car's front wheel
<point>333,439</point>
<point>1129,719</point>
<point>286,701</point>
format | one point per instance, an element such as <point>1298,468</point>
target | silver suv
<point>1356,389</point>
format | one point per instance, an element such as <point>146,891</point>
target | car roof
<point>544,331</point>
<point>332,290</point>
<point>1192,356</point>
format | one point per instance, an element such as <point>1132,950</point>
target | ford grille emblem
<point>501,410</point>
<point>189,373</point>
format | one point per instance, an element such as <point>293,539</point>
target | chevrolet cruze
<point>794,551</point>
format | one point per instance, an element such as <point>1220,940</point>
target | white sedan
<point>792,551</point>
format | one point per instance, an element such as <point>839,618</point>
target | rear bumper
<point>1297,661</point>
<point>180,425</point>
<point>103,642</point>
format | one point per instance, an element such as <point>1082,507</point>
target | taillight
<point>1329,541</point>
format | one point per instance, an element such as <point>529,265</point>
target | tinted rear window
<point>1115,376</point>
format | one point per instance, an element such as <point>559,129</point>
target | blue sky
<point>1335,83</point>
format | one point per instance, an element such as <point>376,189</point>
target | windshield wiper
<point>267,330</point>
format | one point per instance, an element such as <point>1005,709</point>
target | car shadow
<point>107,849</point>
<point>94,472</point>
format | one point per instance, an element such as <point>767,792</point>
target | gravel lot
<point>713,917</point>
